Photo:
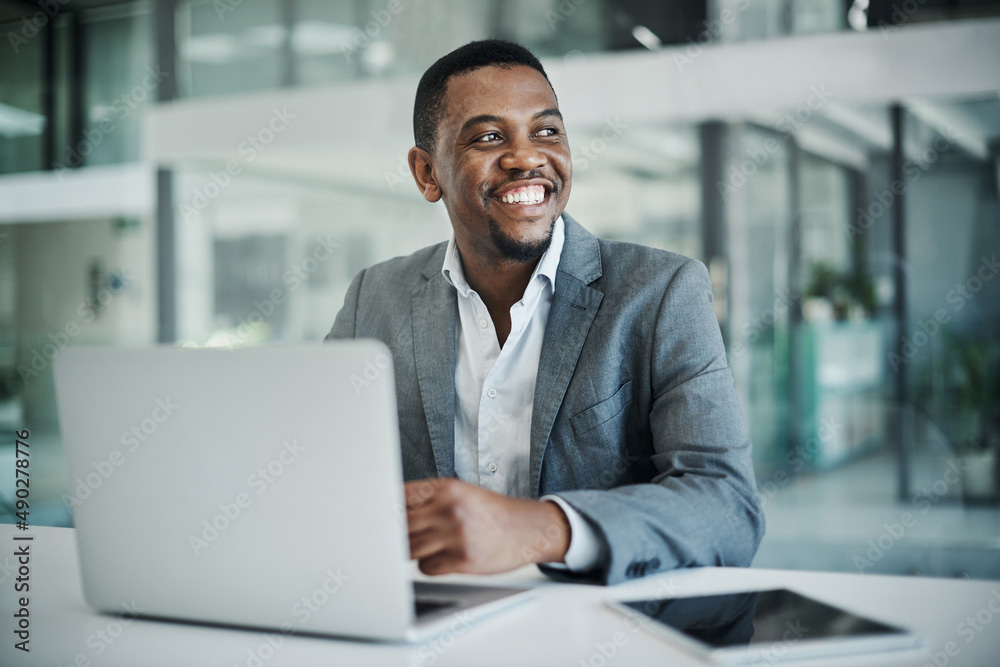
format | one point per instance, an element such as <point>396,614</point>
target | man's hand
<point>460,527</point>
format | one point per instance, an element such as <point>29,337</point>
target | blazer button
<point>630,570</point>
<point>655,564</point>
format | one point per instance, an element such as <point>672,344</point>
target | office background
<point>214,173</point>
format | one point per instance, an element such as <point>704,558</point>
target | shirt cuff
<point>584,551</point>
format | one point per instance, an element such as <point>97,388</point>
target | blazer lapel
<point>574,306</point>
<point>435,351</point>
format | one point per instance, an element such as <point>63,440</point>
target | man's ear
<point>423,174</point>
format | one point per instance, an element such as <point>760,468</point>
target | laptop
<point>257,487</point>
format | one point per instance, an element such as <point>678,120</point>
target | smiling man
<point>563,400</point>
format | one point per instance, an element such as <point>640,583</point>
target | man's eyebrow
<point>482,118</point>
<point>552,111</point>
<point>490,118</point>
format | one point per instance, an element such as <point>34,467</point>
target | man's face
<point>502,161</point>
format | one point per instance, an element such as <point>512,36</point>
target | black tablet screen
<point>759,617</point>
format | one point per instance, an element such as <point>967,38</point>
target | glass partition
<point>22,113</point>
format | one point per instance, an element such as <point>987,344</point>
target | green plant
<point>7,388</point>
<point>822,280</point>
<point>842,289</point>
<point>974,378</point>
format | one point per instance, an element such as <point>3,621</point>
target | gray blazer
<point>636,421</point>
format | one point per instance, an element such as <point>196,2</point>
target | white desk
<point>564,625</point>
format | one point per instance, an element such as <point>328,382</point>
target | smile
<point>527,195</point>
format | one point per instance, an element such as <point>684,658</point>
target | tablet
<point>763,626</point>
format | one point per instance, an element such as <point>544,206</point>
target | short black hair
<point>429,107</point>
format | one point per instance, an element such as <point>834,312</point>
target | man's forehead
<point>498,91</point>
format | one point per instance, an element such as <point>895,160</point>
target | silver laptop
<point>256,487</point>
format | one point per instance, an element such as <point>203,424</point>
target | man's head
<point>490,142</point>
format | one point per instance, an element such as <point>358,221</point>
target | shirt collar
<point>547,266</point>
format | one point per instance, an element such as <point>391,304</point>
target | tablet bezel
<point>813,648</point>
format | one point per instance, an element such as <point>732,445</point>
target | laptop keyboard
<point>424,606</point>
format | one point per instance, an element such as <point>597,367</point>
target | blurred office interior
<point>208,173</point>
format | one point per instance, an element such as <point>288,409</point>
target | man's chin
<point>519,248</point>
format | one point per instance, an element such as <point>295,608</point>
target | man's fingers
<point>427,544</point>
<point>441,563</point>
<point>422,519</point>
<point>419,493</point>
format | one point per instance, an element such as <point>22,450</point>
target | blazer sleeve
<point>345,324</point>
<point>702,507</point>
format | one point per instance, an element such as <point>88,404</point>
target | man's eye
<point>549,131</point>
<point>489,137</point>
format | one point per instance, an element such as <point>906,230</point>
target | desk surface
<point>564,625</point>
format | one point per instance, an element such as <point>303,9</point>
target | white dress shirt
<point>495,391</point>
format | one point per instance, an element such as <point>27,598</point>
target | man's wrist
<point>550,536</point>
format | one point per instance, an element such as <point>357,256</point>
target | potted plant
<point>832,295</point>
<point>973,376</point>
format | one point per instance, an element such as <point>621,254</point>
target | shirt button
<point>492,467</point>
<point>492,393</point>
<point>483,324</point>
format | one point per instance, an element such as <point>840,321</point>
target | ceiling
<point>12,11</point>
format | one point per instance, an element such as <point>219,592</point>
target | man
<point>563,400</point>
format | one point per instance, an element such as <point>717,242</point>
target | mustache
<point>525,176</point>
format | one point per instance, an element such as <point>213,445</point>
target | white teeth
<point>532,196</point>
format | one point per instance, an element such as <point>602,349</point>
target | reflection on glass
<point>777,617</point>
<point>119,83</point>
<point>228,48</point>
<point>22,118</point>
<point>717,620</point>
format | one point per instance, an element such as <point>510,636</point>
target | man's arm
<point>345,325</point>
<point>455,526</point>
<point>586,548</point>
<point>459,527</point>
<point>702,507</point>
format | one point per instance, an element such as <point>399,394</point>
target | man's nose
<point>522,155</point>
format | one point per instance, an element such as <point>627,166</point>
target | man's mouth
<point>525,195</point>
